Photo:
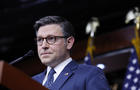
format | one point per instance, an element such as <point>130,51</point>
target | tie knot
<point>52,71</point>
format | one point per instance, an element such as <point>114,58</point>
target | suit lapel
<point>64,75</point>
<point>42,76</point>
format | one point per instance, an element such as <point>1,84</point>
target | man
<point>55,38</point>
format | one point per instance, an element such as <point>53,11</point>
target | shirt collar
<point>58,69</point>
<point>62,65</point>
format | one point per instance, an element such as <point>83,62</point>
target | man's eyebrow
<point>45,36</point>
<point>38,36</point>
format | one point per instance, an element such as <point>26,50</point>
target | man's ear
<point>70,42</point>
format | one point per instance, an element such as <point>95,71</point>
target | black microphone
<point>29,53</point>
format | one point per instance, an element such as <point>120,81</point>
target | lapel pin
<point>66,74</point>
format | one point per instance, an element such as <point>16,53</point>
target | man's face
<point>52,54</point>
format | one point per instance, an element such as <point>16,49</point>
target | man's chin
<point>45,62</point>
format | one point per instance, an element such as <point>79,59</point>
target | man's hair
<point>66,26</point>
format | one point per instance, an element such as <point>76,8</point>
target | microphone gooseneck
<point>29,53</point>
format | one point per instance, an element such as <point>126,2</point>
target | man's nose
<point>45,44</point>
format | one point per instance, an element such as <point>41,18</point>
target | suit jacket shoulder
<point>39,77</point>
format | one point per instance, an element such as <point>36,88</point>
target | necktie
<point>50,79</point>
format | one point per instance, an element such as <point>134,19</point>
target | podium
<point>13,79</point>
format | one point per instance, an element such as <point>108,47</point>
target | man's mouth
<point>46,53</point>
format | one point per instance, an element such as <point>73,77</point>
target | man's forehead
<point>49,30</point>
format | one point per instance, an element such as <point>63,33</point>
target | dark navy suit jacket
<point>77,77</point>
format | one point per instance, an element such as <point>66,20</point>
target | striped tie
<point>50,79</point>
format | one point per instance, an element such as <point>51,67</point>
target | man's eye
<point>51,38</point>
<point>39,39</point>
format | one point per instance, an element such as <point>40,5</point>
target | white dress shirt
<point>58,69</point>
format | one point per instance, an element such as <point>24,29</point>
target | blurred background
<point>112,39</point>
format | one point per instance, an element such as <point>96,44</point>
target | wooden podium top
<point>14,79</point>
